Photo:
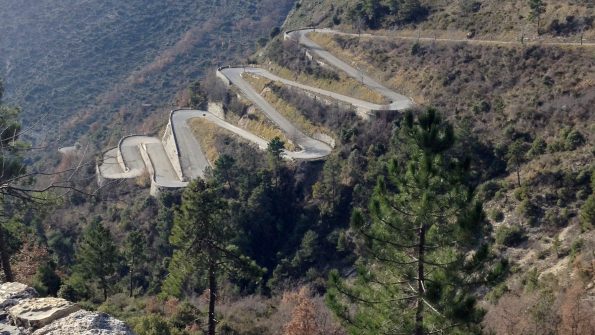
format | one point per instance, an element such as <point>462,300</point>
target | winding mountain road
<point>172,162</point>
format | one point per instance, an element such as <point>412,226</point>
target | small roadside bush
<point>496,215</point>
<point>509,236</point>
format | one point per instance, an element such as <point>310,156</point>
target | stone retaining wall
<point>171,147</point>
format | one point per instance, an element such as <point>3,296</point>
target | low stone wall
<point>216,108</point>
<point>324,138</point>
<point>171,148</point>
<point>221,76</point>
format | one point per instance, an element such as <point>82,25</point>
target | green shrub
<point>528,210</point>
<point>573,140</point>
<point>152,325</point>
<point>488,190</point>
<point>531,280</point>
<point>538,147</point>
<point>576,247</point>
<point>497,292</point>
<point>587,213</point>
<point>496,215</point>
<point>509,236</point>
<point>46,281</point>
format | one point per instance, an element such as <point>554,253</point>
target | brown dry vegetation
<point>345,85</point>
<point>534,89</point>
<point>492,19</point>
<point>501,94</point>
<point>286,109</point>
<point>207,132</point>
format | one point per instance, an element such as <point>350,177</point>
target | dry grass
<point>144,180</point>
<point>260,126</point>
<point>286,109</point>
<point>345,85</point>
<point>207,133</point>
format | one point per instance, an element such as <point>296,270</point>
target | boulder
<point>6,329</point>
<point>38,312</point>
<point>12,293</point>
<point>86,323</point>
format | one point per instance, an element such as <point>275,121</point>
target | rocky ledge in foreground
<point>23,313</point>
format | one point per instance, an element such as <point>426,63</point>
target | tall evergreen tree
<point>97,256</point>
<point>537,8</point>
<point>135,255</point>
<point>423,226</point>
<point>202,237</point>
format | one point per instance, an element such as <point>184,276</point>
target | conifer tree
<point>417,238</point>
<point>537,8</point>
<point>202,238</point>
<point>97,256</point>
<point>135,255</point>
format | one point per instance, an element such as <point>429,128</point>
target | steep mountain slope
<point>492,19</point>
<point>75,62</point>
<point>527,113</point>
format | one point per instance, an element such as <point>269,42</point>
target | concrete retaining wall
<point>171,147</point>
<point>221,76</point>
<point>324,138</point>
<point>119,157</point>
<point>149,164</point>
<point>216,108</point>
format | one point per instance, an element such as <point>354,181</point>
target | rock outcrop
<point>38,312</point>
<point>86,323</point>
<point>22,313</point>
<point>12,293</point>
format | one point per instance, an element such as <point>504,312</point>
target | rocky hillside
<point>491,19</point>
<point>23,313</point>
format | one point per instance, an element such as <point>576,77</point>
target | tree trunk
<point>131,277</point>
<point>5,258</point>
<point>104,287</point>
<point>419,312</point>
<point>518,174</point>
<point>212,297</point>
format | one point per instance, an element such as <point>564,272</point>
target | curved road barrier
<point>177,158</point>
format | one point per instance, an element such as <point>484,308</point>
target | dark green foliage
<point>538,147</point>
<point>587,213</point>
<point>46,281</point>
<point>97,256</point>
<point>537,8</point>
<point>198,98</point>
<point>274,32</point>
<point>516,156</point>
<point>420,210</point>
<point>202,236</point>
<point>135,255</point>
<point>275,148</point>
<point>573,140</point>
<point>152,325</point>
<point>376,14</point>
<point>570,25</point>
<point>509,236</point>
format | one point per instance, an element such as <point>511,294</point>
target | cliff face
<point>22,312</point>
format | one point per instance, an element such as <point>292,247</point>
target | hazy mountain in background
<point>73,63</point>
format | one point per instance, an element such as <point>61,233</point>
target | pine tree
<point>97,256</point>
<point>12,165</point>
<point>201,236</point>
<point>537,8</point>
<point>135,255</point>
<point>423,223</point>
